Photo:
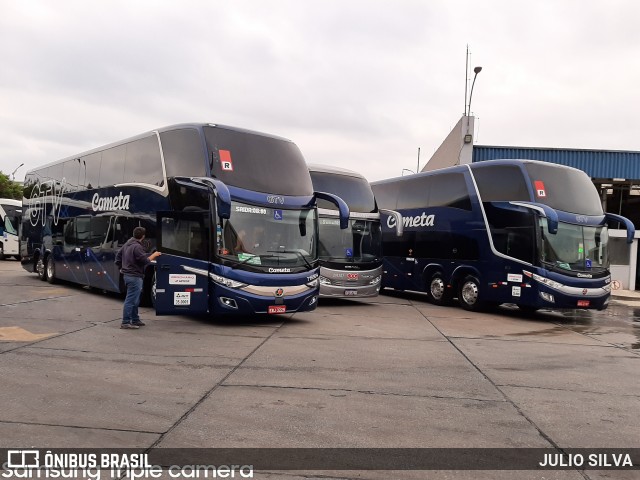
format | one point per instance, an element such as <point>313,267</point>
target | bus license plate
<point>275,309</point>
<point>350,293</point>
<point>583,303</point>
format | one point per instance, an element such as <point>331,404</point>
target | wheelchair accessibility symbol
<point>277,214</point>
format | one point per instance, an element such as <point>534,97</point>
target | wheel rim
<point>437,288</point>
<point>469,293</point>
<point>50,267</point>
<point>40,267</point>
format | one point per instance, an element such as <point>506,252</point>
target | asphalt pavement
<point>389,372</point>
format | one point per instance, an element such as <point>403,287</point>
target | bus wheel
<point>1,252</point>
<point>469,293</point>
<point>437,290</point>
<point>51,269</point>
<point>41,269</point>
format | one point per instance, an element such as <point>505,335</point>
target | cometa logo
<point>119,202</point>
<point>422,220</point>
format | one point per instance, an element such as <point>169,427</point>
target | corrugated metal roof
<point>596,163</point>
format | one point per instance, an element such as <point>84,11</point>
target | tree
<point>9,188</point>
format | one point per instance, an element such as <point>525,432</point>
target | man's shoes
<point>138,323</point>
<point>129,326</point>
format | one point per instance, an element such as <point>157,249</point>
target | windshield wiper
<point>309,266</point>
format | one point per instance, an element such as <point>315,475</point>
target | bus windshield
<point>360,242</point>
<point>268,237</point>
<point>577,248</point>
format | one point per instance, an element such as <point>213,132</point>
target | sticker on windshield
<point>348,252</point>
<point>588,263</point>
<point>257,210</point>
<point>225,160</point>
<point>249,258</point>
<point>540,191</point>
<point>277,214</point>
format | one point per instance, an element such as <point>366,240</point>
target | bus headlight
<point>324,280</point>
<point>376,280</point>
<point>227,282</point>
<point>313,284</point>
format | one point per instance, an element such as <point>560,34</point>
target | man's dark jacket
<point>132,258</point>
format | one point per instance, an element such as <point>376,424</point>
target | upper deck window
<point>257,162</point>
<point>355,191</point>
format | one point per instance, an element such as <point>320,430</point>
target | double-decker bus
<point>233,212</point>
<point>10,212</point>
<point>351,258</point>
<point>505,231</point>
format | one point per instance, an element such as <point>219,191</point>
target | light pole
<point>13,174</point>
<point>476,70</point>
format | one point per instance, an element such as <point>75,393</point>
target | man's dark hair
<point>139,232</point>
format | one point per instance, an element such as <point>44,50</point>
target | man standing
<point>132,260</point>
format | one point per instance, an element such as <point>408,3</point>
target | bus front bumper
<point>230,301</point>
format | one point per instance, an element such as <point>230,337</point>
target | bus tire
<point>40,268</point>
<point>1,252</point>
<point>51,269</point>
<point>437,290</point>
<point>469,294</point>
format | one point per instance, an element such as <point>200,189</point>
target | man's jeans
<point>131,303</point>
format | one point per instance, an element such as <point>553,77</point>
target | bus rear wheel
<point>437,290</point>
<point>469,294</point>
<point>51,269</point>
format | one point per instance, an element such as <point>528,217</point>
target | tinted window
<point>449,190</point>
<point>386,194</point>
<point>500,183</point>
<point>414,193</point>
<point>71,172</point>
<point>183,153</point>
<point>353,190</point>
<point>564,189</point>
<point>185,237</point>
<point>513,233</point>
<point>90,170</point>
<point>112,166</point>
<point>143,163</point>
<point>257,162</point>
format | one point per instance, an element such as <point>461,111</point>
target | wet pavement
<point>389,372</point>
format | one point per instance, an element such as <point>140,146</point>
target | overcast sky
<point>357,84</point>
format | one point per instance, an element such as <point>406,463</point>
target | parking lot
<point>393,371</point>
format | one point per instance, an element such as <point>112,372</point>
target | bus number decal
<point>182,298</point>
<point>182,279</point>
<point>515,291</point>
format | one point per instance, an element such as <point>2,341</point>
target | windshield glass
<point>269,237</point>
<point>575,247</point>
<point>11,225</point>
<point>360,242</point>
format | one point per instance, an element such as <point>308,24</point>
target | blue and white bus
<point>350,259</point>
<point>233,211</point>
<point>10,213</point>
<point>505,231</point>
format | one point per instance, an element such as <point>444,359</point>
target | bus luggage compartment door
<point>182,286</point>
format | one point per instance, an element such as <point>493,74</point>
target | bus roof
<point>314,167</point>
<point>10,201</point>
<point>178,126</point>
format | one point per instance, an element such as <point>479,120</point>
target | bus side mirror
<point>343,208</point>
<point>631,229</point>
<point>397,216</point>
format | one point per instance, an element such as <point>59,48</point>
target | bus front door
<point>182,271</point>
